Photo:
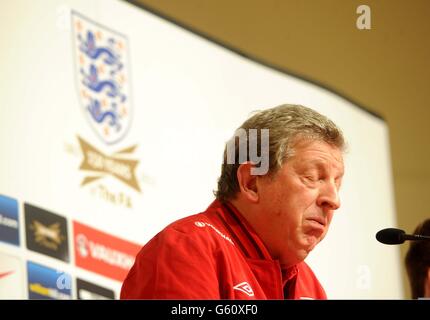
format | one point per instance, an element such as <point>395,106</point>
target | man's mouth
<point>319,220</point>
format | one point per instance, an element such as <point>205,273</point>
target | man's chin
<point>311,242</point>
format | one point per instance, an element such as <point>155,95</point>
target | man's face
<point>298,202</point>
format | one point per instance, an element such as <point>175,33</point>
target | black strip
<point>222,309</point>
<point>252,57</point>
<point>248,235</point>
<point>236,239</point>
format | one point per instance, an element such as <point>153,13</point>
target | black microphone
<point>397,236</point>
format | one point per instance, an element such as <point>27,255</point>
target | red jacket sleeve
<point>173,265</point>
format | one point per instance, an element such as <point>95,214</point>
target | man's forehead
<point>317,146</point>
<point>318,153</point>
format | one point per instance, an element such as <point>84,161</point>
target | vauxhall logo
<point>87,248</point>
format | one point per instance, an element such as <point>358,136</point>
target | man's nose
<point>329,196</point>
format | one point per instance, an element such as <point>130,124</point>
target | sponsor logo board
<point>103,253</point>
<point>47,283</point>
<point>90,291</point>
<point>12,279</point>
<point>9,220</point>
<point>46,232</point>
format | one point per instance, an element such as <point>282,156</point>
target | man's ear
<point>247,182</point>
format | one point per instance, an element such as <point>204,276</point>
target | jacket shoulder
<point>180,262</point>
<point>199,227</point>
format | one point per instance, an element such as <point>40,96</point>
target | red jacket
<point>214,255</point>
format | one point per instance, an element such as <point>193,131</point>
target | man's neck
<point>251,213</point>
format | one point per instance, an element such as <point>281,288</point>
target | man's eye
<point>312,178</point>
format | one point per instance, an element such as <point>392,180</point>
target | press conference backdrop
<point>112,125</point>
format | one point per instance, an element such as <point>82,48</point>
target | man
<point>418,263</point>
<point>252,240</point>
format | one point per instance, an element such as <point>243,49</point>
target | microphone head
<point>391,236</point>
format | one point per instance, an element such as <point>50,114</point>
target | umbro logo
<point>245,288</point>
<point>200,224</point>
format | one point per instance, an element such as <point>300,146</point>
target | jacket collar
<point>246,239</point>
<point>242,233</point>
<point>249,243</point>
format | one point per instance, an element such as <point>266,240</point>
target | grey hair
<point>287,124</point>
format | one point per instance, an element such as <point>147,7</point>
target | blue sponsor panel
<point>47,283</point>
<point>9,220</point>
